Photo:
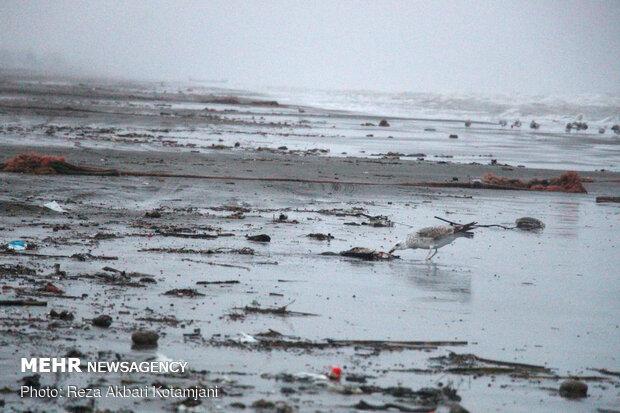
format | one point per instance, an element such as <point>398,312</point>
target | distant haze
<point>538,47</point>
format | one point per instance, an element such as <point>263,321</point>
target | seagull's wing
<point>435,232</point>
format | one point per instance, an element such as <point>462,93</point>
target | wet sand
<point>546,300</point>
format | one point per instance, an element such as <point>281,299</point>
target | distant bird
<point>433,238</point>
<point>516,124</point>
<point>534,124</point>
<point>468,123</point>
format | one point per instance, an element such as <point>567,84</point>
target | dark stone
<point>144,338</point>
<point>528,223</point>
<point>573,389</point>
<point>453,136</point>
<point>259,238</point>
<point>384,123</point>
<point>32,381</point>
<point>103,321</point>
<point>152,214</point>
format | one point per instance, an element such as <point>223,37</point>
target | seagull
<point>433,238</point>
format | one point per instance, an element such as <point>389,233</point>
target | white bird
<point>433,238</point>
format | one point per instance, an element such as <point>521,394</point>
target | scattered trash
<point>335,372</point>
<point>576,125</point>
<point>320,237</point>
<point>573,389</point>
<point>364,254</point>
<point>17,245</point>
<point>62,315</point>
<point>54,206</point>
<point>246,338</point>
<point>144,338</point>
<point>605,199</point>
<point>51,288</point>
<point>529,224</point>
<point>184,292</point>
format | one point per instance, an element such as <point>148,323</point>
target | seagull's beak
<point>392,250</point>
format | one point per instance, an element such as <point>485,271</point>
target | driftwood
<point>477,225</point>
<point>281,311</point>
<point>22,303</point>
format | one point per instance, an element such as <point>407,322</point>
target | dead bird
<point>433,238</point>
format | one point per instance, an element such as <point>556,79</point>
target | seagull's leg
<point>429,258</point>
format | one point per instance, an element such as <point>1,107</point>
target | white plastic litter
<point>311,376</point>
<point>246,338</point>
<point>54,206</point>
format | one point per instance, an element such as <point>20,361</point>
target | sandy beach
<point>493,323</point>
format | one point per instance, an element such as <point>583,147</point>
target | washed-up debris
<point>16,269</point>
<point>279,341</point>
<point>103,321</point>
<point>242,251</point>
<point>567,182</point>
<point>17,245</point>
<point>576,125</point>
<point>152,214</point>
<point>470,364</point>
<point>23,303</point>
<point>573,389</point>
<point>529,224</point>
<point>365,406</point>
<point>259,238</point>
<point>144,338</point>
<point>62,315</point>
<point>320,236</point>
<point>384,123</point>
<point>604,199</point>
<point>85,256</point>
<point>280,311</point>
<point>278,407</point>
<point>51,288</point>
<point>218,264</point>
<point>49,165</point>
<point>379,222</point>
<point>365,254</point>
<point>193,236</point>
<point>184,292</point>
<point>54,206</point>
<point>218,282</point>
<point>246,338</point>
<point>453,136</point>
<point>335,373</point>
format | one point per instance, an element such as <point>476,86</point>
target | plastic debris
<point>311,376</point>
<point>246,338</point>
<point>17,245</point>
<point>335,372</point>
<point>54,206</point>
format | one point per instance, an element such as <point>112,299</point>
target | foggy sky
<point>432,46</point>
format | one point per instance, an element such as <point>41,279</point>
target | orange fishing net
<point>567,182</point>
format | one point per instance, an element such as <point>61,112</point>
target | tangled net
<point>567,182</point>
<point>39,164</point>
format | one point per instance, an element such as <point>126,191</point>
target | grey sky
<point>442,46</point>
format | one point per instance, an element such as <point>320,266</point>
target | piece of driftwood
<point>23,303</point>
